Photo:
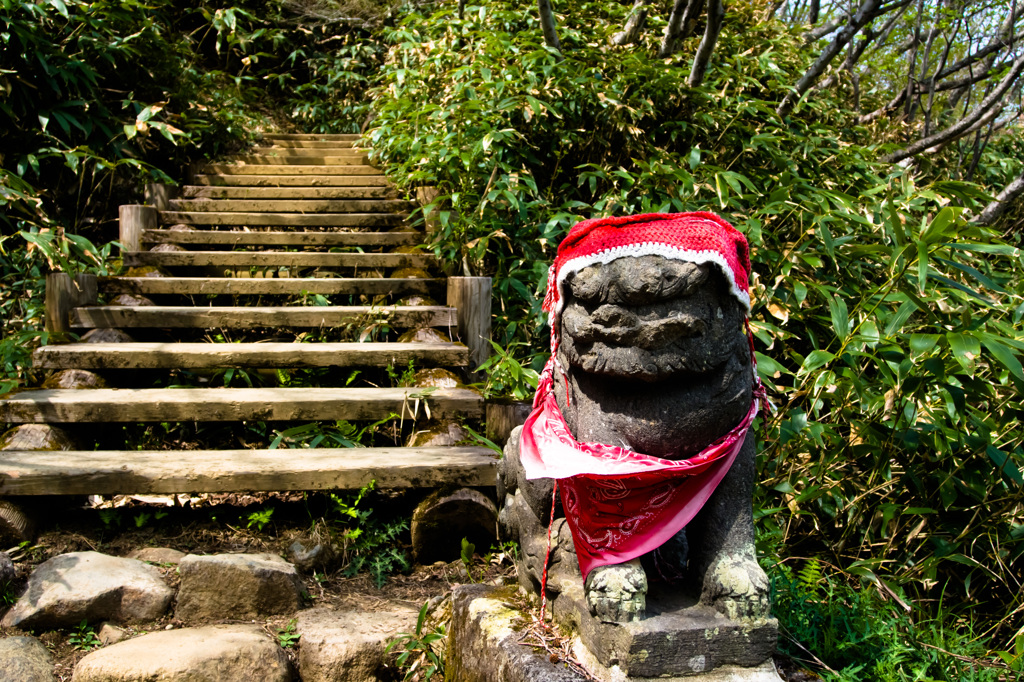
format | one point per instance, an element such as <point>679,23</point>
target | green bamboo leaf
<point>1006,466</point>
<point>966,349</point>
<point>920,344</point>
<point>1003,354</point>
<point>816,359</point>
<point>840,316</point>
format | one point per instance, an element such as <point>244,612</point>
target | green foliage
<point>287,637</point>
<point>260,518</point>
<point>507,376</point>
<point>84,637</point>
<point>367,543</point>
<point>418,650</point>
<point>887,328</point>
<point>466,556</point>
<point>859,634</point>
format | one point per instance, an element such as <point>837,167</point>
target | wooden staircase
<point>249,250</point>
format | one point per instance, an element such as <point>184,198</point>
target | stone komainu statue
<point>642,418</point>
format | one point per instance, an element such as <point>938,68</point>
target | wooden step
<point>328,137</point>
<point>254,317</point>
<point>307,149</point>
<point>273,286</point>
<point>291,180</point>
<point>282,219</point>
<point>307,144</point>
<point>352,159</point>
<point>201,192</point>
<point>294,205</point>
<point>260,238</point>
<point>219,355</point>
<point>297,259</point>
<point>234,404</point>
<point>255,169</point>
<point>209,471</point>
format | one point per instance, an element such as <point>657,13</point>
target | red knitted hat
<point>692,237</point>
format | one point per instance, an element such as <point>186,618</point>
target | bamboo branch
<point>716,13</point>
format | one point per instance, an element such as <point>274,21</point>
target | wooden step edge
<point>263,317</point>
<point>209,471</point>
<point>271,286</point>
<point>271,219</point>
<point>99,405</point>
<point>271,238</point>
<point>107,356</point>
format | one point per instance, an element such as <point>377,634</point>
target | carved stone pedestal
<point>686,642</point>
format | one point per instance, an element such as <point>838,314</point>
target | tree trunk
<point>963,126</point>
<point>634,24</point>
<point>716,13</point>
<point>679,23</point>
<point>547,23</point>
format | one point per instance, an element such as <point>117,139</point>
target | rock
<point>347,646</point>
<point>110,634</point>
<point>36,437</point>
<point>70,588</point>
<point>107,336</point>
<point>416,299</point>
<point>237,585</point>
<point>7,570</point>
<point>158,555</point>
<point>167,248</point>
<point>132,300</point>
<point>15,524</point>
<point>443,434</point>
<point>410,273</point>
<point>25,659</point>
<point>308,554</point>
<point>74,379</point>
<point>216,652</point>
<point>423,335</point>
<point>147,271</point>
<point>180,227</point>
<point>435,377</point>
<point>443,519</point>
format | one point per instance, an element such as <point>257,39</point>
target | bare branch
<point>634,24</point>
<point>961,127</point>
<point>716,13</point>
<point>868,11</point>
<point>997,207</point>
<point>890,107</point>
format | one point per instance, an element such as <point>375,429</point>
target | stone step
<point>323,137</point>
<point>235,404</point>
<point>300,169</point>
<point>100,356</point>
<point>258,259</point>
<point>291,180</point>
<point>207,192</point>
<point>255,317</point>
<point>261,238</point>
<point>282,219</point>
<point>209,471</point>
<point>294,205</point>
<point>355,158</point>
<point>270,286</point>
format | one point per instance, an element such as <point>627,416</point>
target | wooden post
<point>159,195</point>
<point>133,219</point>
<point>471,297</point>
<point>503,416</point>
<point>424,196</point>
<point>64,293</point>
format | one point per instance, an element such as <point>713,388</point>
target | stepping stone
<point>70,588</point>
<point>25,659</point>
<point>347,646</point>
<point>237,586</point>
<point>158,555</point>
<point>216,652</point>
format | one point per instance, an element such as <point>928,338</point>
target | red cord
<point>547,556</point>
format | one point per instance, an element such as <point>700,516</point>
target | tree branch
<point>634,24</point>
<point>997,207</point>
<point>680,23</point>
<point>716,13</point>
<point>961,127</point>
<point>547,23</point>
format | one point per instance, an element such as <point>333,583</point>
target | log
<point>471,297</point>
<point>132,220</point>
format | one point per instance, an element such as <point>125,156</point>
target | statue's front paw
<point>617,593</point>
<point>737,587</point>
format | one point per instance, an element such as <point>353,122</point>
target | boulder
<point>36,437</point>
<point>74,379</point>
<point>25,659</point>
<point>347,646</point>
<point>131,300</point>
<point>70,588</point>
<point>423,335</point>
<point>215,652</point>
<point>107,335</point>
<point>237,586</point>
<point>438,435</point>
<point>7,570</point>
